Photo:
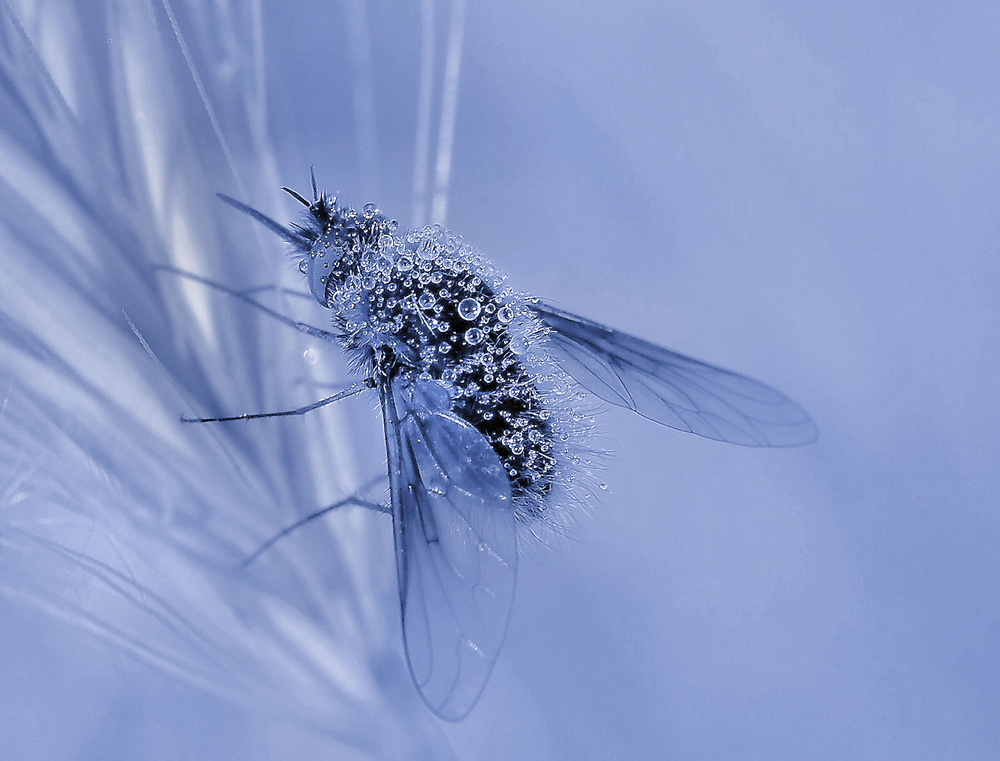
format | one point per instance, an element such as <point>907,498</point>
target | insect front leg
<point>302,327</point>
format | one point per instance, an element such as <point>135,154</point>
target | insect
<point>479,388</point>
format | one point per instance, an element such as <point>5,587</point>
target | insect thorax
<point>441,309</point>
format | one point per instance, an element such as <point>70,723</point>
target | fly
<point>479,388</point>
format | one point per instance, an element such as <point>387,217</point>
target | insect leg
<point>302,327</point>
<point>355,388</point>
<point>276,289</point>
<point>357,501</point>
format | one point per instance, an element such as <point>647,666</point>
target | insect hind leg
<point>353,500</point>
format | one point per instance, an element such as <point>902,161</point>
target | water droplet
<point>473,336</point>
<point>426,300</point>
<point>505,314</point>
<point>468,309</point>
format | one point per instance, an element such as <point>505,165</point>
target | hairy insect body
<point>481,391</point>
<point>437,308</point>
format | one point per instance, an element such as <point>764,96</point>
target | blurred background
<point>806,194</point>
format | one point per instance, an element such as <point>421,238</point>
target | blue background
<point>805,193</point>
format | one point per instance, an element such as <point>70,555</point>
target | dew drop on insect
<point>518,345</point>
<point>473,336</point>
<point>468,309</point>
<point>505,314</point>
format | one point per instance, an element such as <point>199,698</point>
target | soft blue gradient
<point>805,194</point>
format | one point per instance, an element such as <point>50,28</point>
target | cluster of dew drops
<point>437,303</point>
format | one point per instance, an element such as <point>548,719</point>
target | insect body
<point>480,426</point>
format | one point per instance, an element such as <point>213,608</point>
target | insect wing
<point>456,548</point>
<point>670,388</point>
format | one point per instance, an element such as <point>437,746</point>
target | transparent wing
<point>670,388</point>
<point>456,549</point>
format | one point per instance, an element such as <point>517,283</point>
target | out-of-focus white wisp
<point>121,122</point>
